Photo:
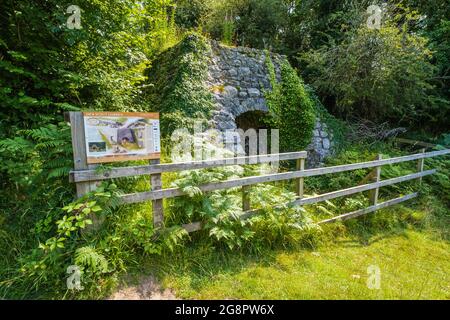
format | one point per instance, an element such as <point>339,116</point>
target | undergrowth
<point>176,84</point>
<point>122,237</point>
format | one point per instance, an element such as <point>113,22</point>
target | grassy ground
<point>414,265</point>
<point>410,244</point>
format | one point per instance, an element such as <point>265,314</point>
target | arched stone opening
<point>253,120</point>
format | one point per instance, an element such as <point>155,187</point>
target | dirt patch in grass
<point>147,288</point>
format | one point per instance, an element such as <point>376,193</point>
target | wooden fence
<point>87,178</point>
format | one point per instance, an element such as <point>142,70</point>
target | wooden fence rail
<point>247,181</point>
<point>157,194</point>
<point>94,175</point>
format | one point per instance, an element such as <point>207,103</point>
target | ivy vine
<point>291,110</point>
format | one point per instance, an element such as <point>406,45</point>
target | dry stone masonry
<point>238,78</point>
<point>321,144</point>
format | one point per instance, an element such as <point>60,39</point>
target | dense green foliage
<point>188,13</point>
<point>47,69</point>
<point>378,75</point>
<point>291,109</point>
<point>398,74</point>
<point>258,23</point>
<point>176,84</point>
<point>356,71</point>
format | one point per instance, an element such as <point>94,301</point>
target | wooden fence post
<point>79,152</point>
<point>80,162</point>
<point>299,183</point>
<point>420,165</point>
<point>245,198</point>
<point>373,195</point>
<point>157,205</point>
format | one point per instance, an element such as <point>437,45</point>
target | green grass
<point>414,265</point>
<point>410,243</point>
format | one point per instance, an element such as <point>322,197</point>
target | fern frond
<point>92,261</point>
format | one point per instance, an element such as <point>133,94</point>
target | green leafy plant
<point>290,108</point>
<point>184,98</point>
<point>46,263</point>
<point>222,217</point>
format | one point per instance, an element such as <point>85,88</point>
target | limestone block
<point>230,92</point>
<point>254,93</point>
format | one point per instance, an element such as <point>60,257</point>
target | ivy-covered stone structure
<point>236,79</point>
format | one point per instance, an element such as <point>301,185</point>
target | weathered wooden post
<point>373,195</point>
<point>246,198</point>
<point>79,151</point>
<point>299,183</point>
<point>80,162</point>
<point>157,205</point>
<point>420,165</point>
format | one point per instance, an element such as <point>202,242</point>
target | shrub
<point>376,74</point>
<point>291,110</point>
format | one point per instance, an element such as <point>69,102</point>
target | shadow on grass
<point>197,264</point>
<point>200,263</point>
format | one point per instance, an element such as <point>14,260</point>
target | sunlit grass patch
<point>412,265</point>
